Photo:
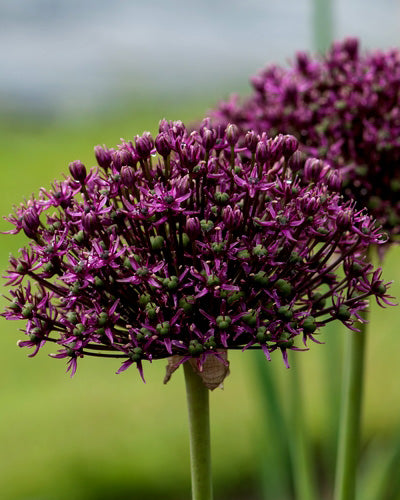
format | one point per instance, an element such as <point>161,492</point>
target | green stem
<point>350,417</point>
<point>275,453</point>
<point>333,351</point>
<point>322,24</point>
<point>199,430</point>
<point>304,479</point>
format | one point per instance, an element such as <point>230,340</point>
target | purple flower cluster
<point>344,108</point>
<point>186,245</point>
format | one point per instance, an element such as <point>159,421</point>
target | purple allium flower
<point>344,108</point>
<point>206,248</point>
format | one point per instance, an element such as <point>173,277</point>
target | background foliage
<point>100,436</point>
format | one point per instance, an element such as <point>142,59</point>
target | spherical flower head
<point>206,248</point>
<point>343,108</point>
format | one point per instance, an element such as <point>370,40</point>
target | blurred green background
<point>99,436</point>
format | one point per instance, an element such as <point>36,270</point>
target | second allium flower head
<point>343,107</point>
<point>206,247</point>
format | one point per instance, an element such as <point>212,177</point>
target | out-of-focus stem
<point>304,479</point>
<point>322,24</point>
<point>350,417</point>
<point>276,460</point>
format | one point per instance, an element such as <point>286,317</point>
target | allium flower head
<point>205,248</point>
<point>343,107</point>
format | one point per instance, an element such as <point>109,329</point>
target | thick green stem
<point>304,479</point>
<point>199,430</point>
<point>350,417</point>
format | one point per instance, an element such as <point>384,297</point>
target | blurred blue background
<point>79,56</point>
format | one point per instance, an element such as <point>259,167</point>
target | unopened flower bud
<point>103,156</point>
<point>313,169</point>
<point>290,94</point>
<point>163,126</point>
<point>163,144</point>
<point>89,222</point>
<point>232,134</point>
<point>343,220</point>
<point>191,155</point>
<point>182,185</point>
<point>351,47</point>
<point>178,128</point>
<point>117,160</point>
<point>251,141</point>
<point>290,145</point>
<point>126,157</point>
<point>258,83</point>
<point>310,205</point>
<point>193,227</point>
<point>220,138</point>
<point>276,146</point>
<point>303,63</point>
<point>334,181</point>
<point>127,176</point>
<point>208,139</point>
<point>297,160</point>
<point>232,218</point>
<point>262,152</point>
<point>78,171</point>
<point>30,223</point>
<point>205,125</point>
<point>144,145</point>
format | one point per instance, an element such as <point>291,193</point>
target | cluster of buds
<point>189,245</point>
<point>344,108</point>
